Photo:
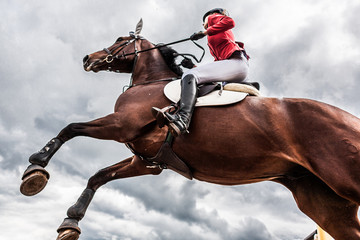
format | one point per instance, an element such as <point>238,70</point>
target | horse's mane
<point>169,56</point>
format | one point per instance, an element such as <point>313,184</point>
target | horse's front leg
<point>110,127</point>
<point>130,167</point>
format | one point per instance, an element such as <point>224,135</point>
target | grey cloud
<point>12,159</point>
<point>288,57</point>
<point>182,205</point>
<point>352,22</point>
<point>253,230</point>
<point>49,122</point>
<point>44,88</point>
<point>183,201</point>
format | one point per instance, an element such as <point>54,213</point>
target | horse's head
<point>114,58</point>
<point>118,57</point>
<point>136,55</point>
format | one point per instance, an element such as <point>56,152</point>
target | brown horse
<point>309,147</point>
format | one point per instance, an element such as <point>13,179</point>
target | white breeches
<point>232,70</point>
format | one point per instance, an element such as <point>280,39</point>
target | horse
<point>309,147</point>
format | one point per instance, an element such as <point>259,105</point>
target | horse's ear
<point>139,27</point>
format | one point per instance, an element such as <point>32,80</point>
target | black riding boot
<point>179,122</point>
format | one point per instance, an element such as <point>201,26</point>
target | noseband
<point>115,53</point>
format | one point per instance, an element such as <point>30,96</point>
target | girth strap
<point>166,158</point>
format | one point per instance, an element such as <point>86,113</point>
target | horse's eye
<point>119,39</point>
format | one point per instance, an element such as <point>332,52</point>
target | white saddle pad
<point>173,90</point>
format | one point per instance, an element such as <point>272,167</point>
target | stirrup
<point>160,116</point>
<point>179,124</point>
<point>175,129</point>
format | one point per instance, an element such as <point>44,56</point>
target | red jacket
<point>221,39</point>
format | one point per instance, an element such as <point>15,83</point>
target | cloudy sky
<point>299,48</point>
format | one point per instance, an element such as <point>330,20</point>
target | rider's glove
<point>187,63</point>
<point>197,36</point>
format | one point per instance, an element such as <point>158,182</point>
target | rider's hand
<point>187,63</point>
<point>197,36</point>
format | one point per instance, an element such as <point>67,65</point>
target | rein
<point>110,57</point>
<point>115,54</point>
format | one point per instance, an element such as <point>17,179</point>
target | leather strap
<point>166,158</point>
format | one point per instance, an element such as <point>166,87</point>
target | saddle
<point>214,94</point>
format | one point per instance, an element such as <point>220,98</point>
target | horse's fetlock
<point>43,156</point>
<point>94,182</point>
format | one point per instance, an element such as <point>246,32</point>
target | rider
<point>230,65</point>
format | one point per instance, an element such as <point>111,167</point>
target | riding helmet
<point>216,10</point>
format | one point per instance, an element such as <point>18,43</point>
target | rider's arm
<point>223,24</point>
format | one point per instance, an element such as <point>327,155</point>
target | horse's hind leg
<point>336,215</point>
<point>130,167</point>
<point>335,159</point>
<point>35,176</point>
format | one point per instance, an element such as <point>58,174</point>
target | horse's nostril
<point>85,58</point>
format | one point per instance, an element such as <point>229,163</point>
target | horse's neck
<point>150,66</point>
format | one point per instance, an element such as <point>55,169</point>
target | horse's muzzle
<point>85,59</point>
<point>86,64</point>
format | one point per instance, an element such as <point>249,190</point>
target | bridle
<point>119,52</point>
<point>115,52</point>
<point>110,57</point>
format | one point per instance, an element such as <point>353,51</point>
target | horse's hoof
<point>68,230</point>
<point>68,234</point>
<point>34,181</point>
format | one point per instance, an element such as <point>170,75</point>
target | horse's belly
<point>231,168</point>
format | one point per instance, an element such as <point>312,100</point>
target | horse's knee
<point>143,167</point>
<point>130,167</point>
<point>70,131</point>
<point>96,181</point>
